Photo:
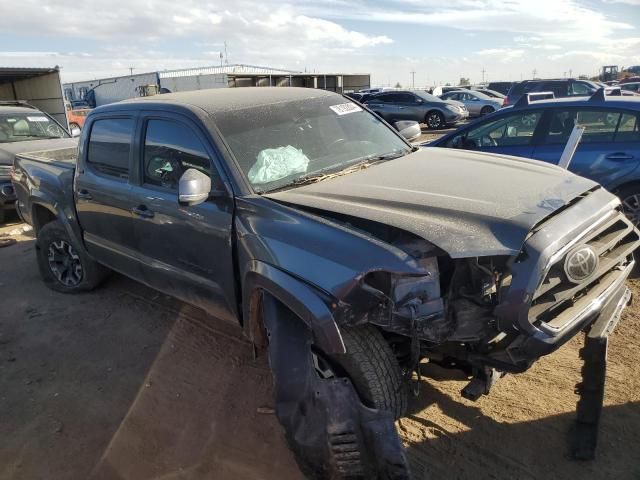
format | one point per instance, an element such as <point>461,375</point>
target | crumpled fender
<point>297,296</point>
<point>332,434</point>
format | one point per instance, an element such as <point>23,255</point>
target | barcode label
<point>345,108</point>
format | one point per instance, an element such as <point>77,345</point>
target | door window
<point>171,148</point>
<point>559,89</point>
<point>599,125</point>
<point>628,130</point>
<point>109,146</point>
<point>577,89</point>
<point>515,129</point>
<point>405,98</point>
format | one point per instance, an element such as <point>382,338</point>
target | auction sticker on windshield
<point>37,119</point>
<point>345,108</point>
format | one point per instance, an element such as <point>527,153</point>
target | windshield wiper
<point>315,177</point>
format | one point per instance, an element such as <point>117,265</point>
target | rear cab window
<point>109,146</point>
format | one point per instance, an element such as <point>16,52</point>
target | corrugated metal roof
<point>236,68</point>
<point>24,72</point>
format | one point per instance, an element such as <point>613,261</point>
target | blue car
<point>609,152</point>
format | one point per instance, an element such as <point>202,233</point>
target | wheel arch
<point>265,283</point>
<point>626,185</point>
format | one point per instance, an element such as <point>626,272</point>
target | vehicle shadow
<point>126,383</point>
<point>450,438</point>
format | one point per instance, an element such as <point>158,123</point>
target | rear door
<point>409,108</point>
<point>102,191</point>
<point>610,146</point>
<point>385,105</point>
<point>185,251</point>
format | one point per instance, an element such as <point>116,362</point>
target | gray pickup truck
<point>346,253</point>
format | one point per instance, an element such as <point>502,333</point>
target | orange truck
<point>76,115</point>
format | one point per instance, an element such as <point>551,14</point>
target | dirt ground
<point>126,383</point>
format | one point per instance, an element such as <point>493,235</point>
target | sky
<point>441,41</point>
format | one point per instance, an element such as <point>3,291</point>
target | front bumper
<point>600,314</point>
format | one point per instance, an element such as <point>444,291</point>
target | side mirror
<point>419,100</point>
<point>75,132</point>
<point>409,129</point>
<point>512,131</point>
<point>193,187</point>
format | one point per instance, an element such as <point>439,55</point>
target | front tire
<point>64,266</point>
<point>374,370</point>
<point>434,120</point>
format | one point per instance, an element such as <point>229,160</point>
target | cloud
<point>503,55</point>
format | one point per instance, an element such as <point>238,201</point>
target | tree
<point>398,85</point>
<point>464,82</point>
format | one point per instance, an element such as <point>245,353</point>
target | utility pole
<point>483,72</point>
<point>570,73</point>
<point>226,56</point>
<point>413,79</point>
<point>131,69</point>
<point>534,73</point>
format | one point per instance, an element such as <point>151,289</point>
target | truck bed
<point>62,157</point>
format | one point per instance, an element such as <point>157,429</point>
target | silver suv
<point>418,106</point>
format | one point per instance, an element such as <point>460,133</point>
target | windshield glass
<point>281,144</point>
<point>18,127</point>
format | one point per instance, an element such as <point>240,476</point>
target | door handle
<point>84,194</point>
<point>619,156</point>
<point>142,211</point>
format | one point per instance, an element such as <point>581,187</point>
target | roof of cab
<point>218,100</point>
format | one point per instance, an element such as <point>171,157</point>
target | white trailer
<point>40,87</point>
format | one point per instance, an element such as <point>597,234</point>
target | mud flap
<point>594,372</point>
<point>333,435</point>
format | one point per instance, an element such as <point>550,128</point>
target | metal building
<point>109,90</point>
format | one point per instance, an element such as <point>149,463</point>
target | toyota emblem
<point>581,263</point>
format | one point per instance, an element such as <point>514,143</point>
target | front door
<point>509,134</point>
<point>185,251</point>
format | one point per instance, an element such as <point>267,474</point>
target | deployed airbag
<point>276,163</point>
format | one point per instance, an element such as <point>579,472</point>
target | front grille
<point>557,299</point>
<point>5,171</point>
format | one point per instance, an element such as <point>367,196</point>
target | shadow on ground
<point>489,449</point>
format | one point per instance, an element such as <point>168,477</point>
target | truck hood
<point>468,204</point>
<point>8,151</point>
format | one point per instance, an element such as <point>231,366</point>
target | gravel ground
<point>127,383</point>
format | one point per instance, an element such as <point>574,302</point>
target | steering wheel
<point>53,130</point>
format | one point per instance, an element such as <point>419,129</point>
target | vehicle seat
<point>21,128</point>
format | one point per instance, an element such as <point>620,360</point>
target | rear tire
<point>374,370</point>
<point>486,110</point>
<point>64,266</point>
